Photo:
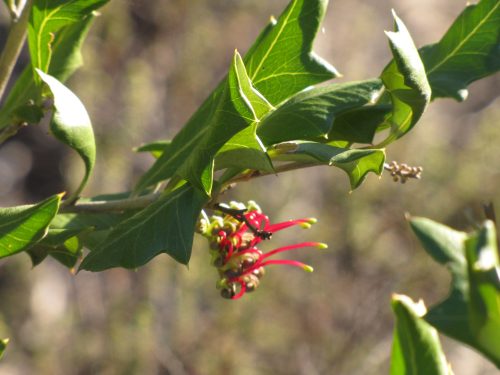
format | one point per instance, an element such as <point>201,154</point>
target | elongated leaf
<point>234,108</point>
<point>281,63</point>
<point>165,226</point>
<point>3,346</point>
<point>156,148</point>
<point>23,226</point>
<point>469,50</point>
<point>47,18</point>
<point>405,80</point>
<point>280,60</point>
<point>416,348</point>
<point>471,311</point>
<point>66,58</point>
<point>71,125</point>
<point>310,114</point>
<point>356,163</point>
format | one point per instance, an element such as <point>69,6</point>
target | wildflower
<point>234,239</point>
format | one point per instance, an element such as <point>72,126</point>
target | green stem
<point>13,46</point>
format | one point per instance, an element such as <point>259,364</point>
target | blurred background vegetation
<point>149,64</point>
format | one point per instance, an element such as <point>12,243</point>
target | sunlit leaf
<point>165,226</point>
<point>66,58</point>
<point>283,64</point>
<point>155,148</point>
<point>47,18</point>
<point>416,348</point>
<point>357,163</point>
<point>3,346</point>
<point>469,50</point>
<point>23,226</point>
<point>405,81</point>
<point>310,114</point>
<point>71,125</point>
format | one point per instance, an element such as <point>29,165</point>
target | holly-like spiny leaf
<point>283,64</point>
<point>405,81</point>
<point>166,226</point>
<point>23,226</point>
<point>71,125</point>
<point>469,50</point>
<point>357,163</point>
<point>416,348</point>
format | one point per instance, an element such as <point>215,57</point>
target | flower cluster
<point>234,235</point>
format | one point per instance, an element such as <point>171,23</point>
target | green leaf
<point>484,288</point>
<point>62,244</point>
<point>235,107</point>
<point>310,114</point>
<point>357,163</point>
<point>3,346</point>
<point>66,58</point>
<point>156,148</point>
<point>280,63</point>
<point>22,226</point>
<point>405,81</point>
<point>469,50</point>
<point>416,348</point>
<point>71,125</point>
<point>165,226</point>
<point>283,64</point>
<point>359,125</point>
<point>471,312</point>
<point>47,18</point>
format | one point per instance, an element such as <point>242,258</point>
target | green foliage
<point>416,348</point>
<point>467,52</point>
<point>166,226</point>
<point>405,81</point>
<point>3,346</point>
<point>471,312</point>
<point>47,18</point>
<point>71,125</point>
<point>22,226</point>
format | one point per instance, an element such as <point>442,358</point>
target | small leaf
<point>3,346</point>
<point>471,312</point>
<point>406,82</point>
<point>357,163</point>
<point>71,125</point>
<point>165,226</point>
<point>416,348</point>
<point>66,58</point>
<point>47,18</point>
<point>155,148</point>
<point>23,226</point>
<point>310,114</point>
<point>470,50</point>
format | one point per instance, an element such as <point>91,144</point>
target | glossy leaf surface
<point>469,50</point>
<point>22,226</point>
<point>416,348</point>
<point>3,346</point>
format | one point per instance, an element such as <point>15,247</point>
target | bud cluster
<point>234,233</point>
<point>402,172</point>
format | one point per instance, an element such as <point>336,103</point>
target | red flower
<point>234,239</point>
